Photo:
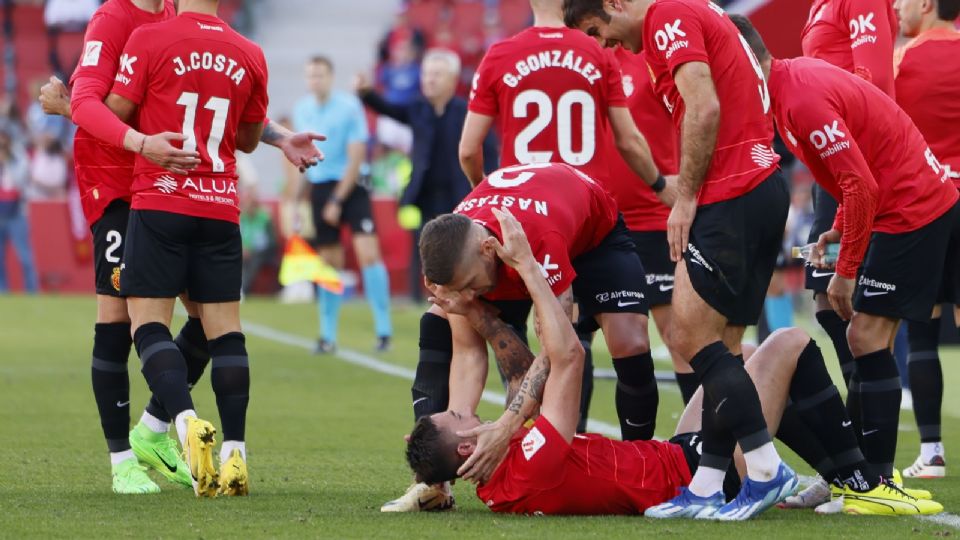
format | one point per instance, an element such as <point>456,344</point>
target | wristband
<point>659,185</point>
<point>143,142</point>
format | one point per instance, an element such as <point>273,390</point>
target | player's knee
<point>627,337</point>
<point>790,338</point>
<point>864,340</point>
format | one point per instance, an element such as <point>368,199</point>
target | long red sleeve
<point>873,26</point>
<point>855,220</point>
<point>90,113</point>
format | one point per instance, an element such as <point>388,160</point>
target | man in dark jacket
<point>437,183</point>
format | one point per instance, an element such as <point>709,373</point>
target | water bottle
<point>810,250</point>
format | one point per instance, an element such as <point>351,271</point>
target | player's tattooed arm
<point>298,148</point>
<point>512,354</point>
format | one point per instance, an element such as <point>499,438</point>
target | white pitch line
<point>362,360</point>
<point>946,518</point>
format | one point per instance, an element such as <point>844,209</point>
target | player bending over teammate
<point>549,469</point>
<point>897,211</point>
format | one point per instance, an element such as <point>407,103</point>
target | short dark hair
<point>441,245</point>
<point>948,10</point>
<point>430,453</point>
<point>322,60</point>
<point>752,36</point>
<point>575,11</point>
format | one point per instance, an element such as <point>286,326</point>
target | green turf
<point>325,446</point>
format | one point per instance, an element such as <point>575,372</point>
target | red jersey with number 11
<point>194,75</point>
<point>676,32</point>
<point>550,89</point>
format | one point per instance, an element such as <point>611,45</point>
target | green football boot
<point>130,478</point>
<point>161,453</point>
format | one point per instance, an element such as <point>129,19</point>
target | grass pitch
<point>324,440</point>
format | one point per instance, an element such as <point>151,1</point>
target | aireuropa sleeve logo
<point>91,53</point>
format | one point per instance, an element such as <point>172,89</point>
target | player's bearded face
<point>910,13</point>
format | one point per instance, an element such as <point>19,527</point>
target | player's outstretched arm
<point>298,148</point>
<point>698,138</point>
<point>475,129</point>
<point>561,394</point>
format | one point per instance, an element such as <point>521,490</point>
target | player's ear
<point>488,247</point>
<point>466,448</point>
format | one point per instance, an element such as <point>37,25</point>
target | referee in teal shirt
<point>337,199</point>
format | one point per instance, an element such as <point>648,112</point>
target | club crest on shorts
<point>115,278</point>
<point>532,442</point>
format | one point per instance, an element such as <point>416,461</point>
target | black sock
<point>636,396</point>
<point>926,377</point>
<point>688,383</point>
<point>794,433</point>
<point>431,390</point>
<point>586,387</point>
<point>111,384</point>
<point>230,378</point>
<point>192,343</point>
<point>819,405</point>
<point>164,368</point>
<point>836,328</point>
<point>880,414</point>
<point>733,397</point>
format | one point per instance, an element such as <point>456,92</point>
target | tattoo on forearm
<point>513,356</point>
<point>270,134</point>
<point>530,392</point>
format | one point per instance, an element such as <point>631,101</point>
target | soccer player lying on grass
<point>546,468</point>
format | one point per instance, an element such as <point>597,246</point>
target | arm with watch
<point>348,182</point>
<point>636,152</point>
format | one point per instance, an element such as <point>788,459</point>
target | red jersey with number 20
<point>550,89</point>
<point>591,475</point>
<point>854,35</point>
<point>676,32</point>
<point>194,75</point>
<point>563,211</point>
<point>104,172</point>
<point>863,149</point>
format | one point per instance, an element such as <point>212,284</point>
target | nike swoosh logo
<point>717,410</point>
<point>629,423</point>
<point>817,273</point>
<point>122,404</point>
<point>871,432</point>
<point>625,304</point>
<point>846,424</point>
<point>665,288</point>
<point>172,469</point>
<point>419,400</point>
<point>874,293</point>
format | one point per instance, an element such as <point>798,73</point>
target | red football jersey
<point>927,78</point>
<point>104,172</point>
<point>592,475</point>
<point>639,205</point>
<point>194,75</point>
<point>853,137</point>
<point>563,212</point>
<point>854,35</point>
<point>550,89</point>
<point>676,32</point>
